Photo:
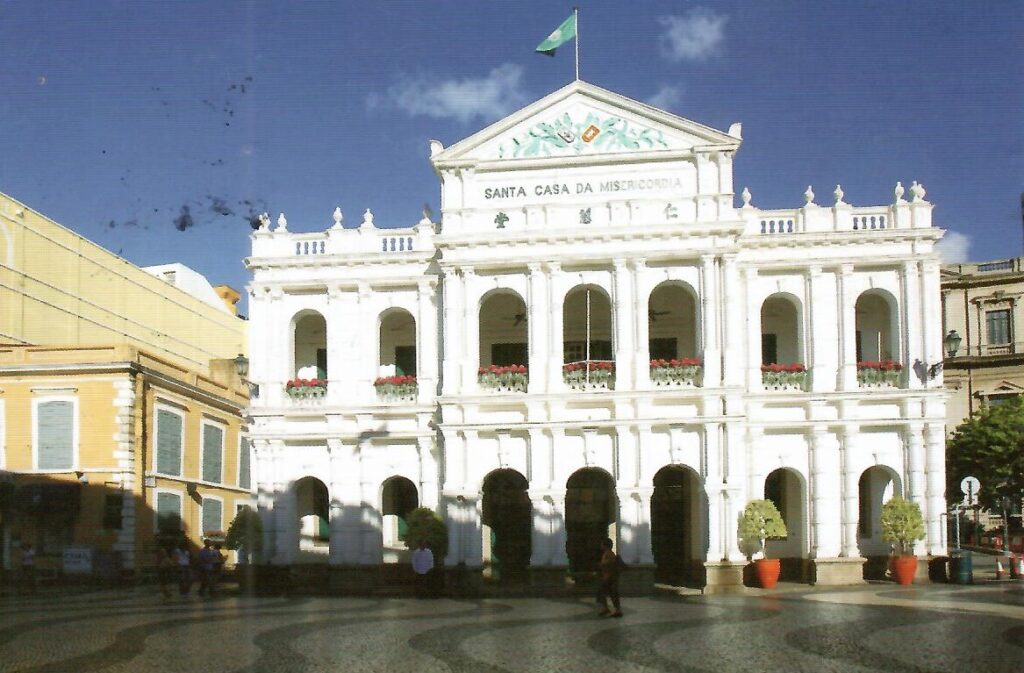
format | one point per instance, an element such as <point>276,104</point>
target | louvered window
<point>213,516</point>
<point>213,453</point>
<point>55,435</point>
<point>168,442</point>
<point>244,478</point>
<point>168,512</point>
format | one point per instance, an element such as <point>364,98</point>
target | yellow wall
<point>57,288</point>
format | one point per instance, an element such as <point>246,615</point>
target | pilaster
<point>709,321</point>
<point>537,326</point>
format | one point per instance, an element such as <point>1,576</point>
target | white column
<point>556,298</point>
<point>825,494</point>
<point>627,543</point>
<point>281,360</point>
<point>349,496</point>
<point>821,339</point>
<point>912,321</point>
<point>931,328</point>
<point>558,556</point>
<point>642,370</point>
<point>366,367</point>
<point>286,521</point>
<point>646,554</point>
<point>709,322</point>
<point>471,330</point>
<point>428,476</point>
<point>541,535</point>
<point>753,330</point>
<point>537,325</point>
<point>847,330</point>
<point>935,479</point>
<point>628,458</point>
<point>850,493</point>
<point>426,342</point>
<point>370,531</point>
<point>451,345</point>
<point>718,543</point>
<point>625,318</point>
<point>335,448</point>
<point>914,446</point>
<point>732,302</point>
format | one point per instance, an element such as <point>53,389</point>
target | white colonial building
<point>596,341</point>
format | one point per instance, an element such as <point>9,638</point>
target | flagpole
<point>576,16</point>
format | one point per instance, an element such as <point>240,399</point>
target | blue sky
<point>117,116</point>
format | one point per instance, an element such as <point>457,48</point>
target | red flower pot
<point>903,569</point>
<point>768,570</point>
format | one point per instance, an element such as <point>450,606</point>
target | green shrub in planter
<point>761,522</point>
<point>246,531</point>
<point>902,524</point>
<point>424,524</point>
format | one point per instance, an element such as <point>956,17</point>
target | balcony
<point>883,374</point>
<point>790,377</point>
<point>396,389</point>
<point>589,375</point>
<point>682,373</point>
<point>305,392</point>
<point>503,379</point>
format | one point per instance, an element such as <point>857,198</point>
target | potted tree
<point>245,535</point>
<point>903,525</point>
<point>759,523</point>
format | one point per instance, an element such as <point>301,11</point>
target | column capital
<point>619,264</point>
<point>846,269</point>
<point>535,268</point>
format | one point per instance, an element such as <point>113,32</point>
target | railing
<point>682,373</point>
<point>396,243</point>
<point>589,375</point>
<point>1005,265</point>
<point>780,225</point>
<point>882,374</point>
<point>842,217</point>
<point>362,241</point>
<point>784,377</point>
<point>503,379</point>
<point>396,389</point>
<point>305,392</point>
<point>864,222</point>
<point>311,246</point>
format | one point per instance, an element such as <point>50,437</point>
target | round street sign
<point>970,486</point>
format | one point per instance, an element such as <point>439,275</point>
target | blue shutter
<point>168,443</point>
<point>213,450</point>
<point>55,435</point>
<point>244,479</point>
<point>213,519</point>
<point>168,512</point>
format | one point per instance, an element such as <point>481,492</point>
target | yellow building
<point>120,407</point>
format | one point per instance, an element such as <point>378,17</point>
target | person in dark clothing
<point>609,585</point>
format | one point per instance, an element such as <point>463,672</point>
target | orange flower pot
<point>768,570</point>
<point>903,569</point>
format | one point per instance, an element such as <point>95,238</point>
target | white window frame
<point>36,401</point>
<point>202,515</point>
<point>158,407</point>
<point>181,509</point>
<point>243,445</point>
<point>202,449</point>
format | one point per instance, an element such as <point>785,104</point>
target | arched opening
<point>678,526</point>
<point>587,347</point>
<point>877,346</point>
<point>785,488</point>
<point>397,343</point>
<point>877,485</point>
<point>397,499</point>
<point>504,341</point>
<point>590,508</point>
<point>309,346</point>
<point>782,360</point>
<point>314,519</point>
<point>672,322</point>
<point>508,524</point>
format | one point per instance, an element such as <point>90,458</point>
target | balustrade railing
<point>589,375</point>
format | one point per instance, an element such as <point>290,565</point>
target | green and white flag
<point>560,36</point>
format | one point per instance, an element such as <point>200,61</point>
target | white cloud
<point>666,98</point>
<point>488,97</point>
<point>693,37</point>
<point>954,248</point>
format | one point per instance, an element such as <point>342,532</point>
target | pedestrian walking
<point>208,558</point>
<point>28,567</point>
<point>164,570</point>
<point>609,585</point>
<point>422,565</point>
<point>183,559</point>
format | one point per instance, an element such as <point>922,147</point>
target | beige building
<point>121,410</point>
<point>981,303</point>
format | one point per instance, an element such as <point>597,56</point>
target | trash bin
<point>961,568</point>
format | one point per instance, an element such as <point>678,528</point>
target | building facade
<point>109,446</point>
<point>104,367</point>
<point>981,303</point>
<point>595,341</point>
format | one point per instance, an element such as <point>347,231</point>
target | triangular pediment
<point>1008,387</point>
<point>582,120</point>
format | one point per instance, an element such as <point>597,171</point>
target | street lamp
<point>242,368</point>
<point>952,343</point>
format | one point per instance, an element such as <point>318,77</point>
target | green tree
<point>902,523</point>
<point>425,525</point>
<point>990,446</point>
<point>246,531</point>
<point>761,522</point>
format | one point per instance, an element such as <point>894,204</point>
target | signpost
<point>970,487</point>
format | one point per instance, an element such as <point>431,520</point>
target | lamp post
<point>951,342</point>
<point>242,368</point>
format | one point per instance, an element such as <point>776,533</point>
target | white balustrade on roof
<point>364,240</point>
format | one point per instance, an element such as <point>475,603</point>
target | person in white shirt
<point>422,564</point>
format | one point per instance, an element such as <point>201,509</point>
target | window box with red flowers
<point>589,375</point>
<point>306,389</point>
<point>504,379</point>
<point>784,377</point>
<point>396,388</point>
<point>882,374</point>
<point>681,373</point>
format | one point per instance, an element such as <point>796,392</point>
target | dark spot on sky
<point>103,151</point>
<point>184,220</point>
<point>218,206</point>
<point>111,224</point>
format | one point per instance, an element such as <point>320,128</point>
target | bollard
<point>999,568</point>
